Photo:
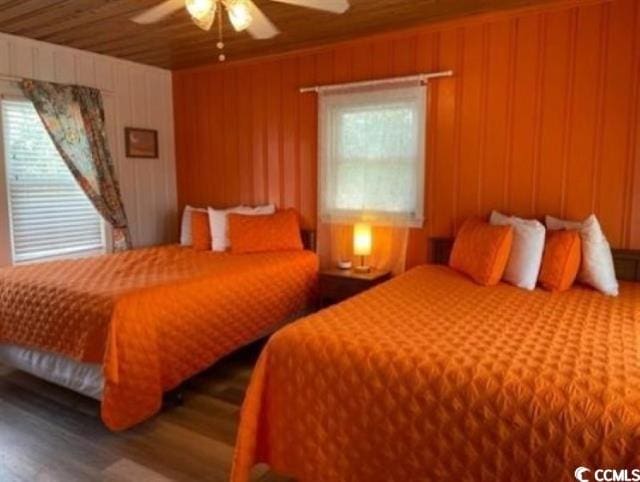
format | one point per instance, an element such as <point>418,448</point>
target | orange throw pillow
<point>481,251</point>
<point>200,231</point>
<point>273,232</point>
<point>561,260</point>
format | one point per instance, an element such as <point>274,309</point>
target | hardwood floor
<point>49,434</point>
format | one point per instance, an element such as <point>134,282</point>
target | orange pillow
<point>561,260</point>
<point>273,232</point>
<point>200,231</point>
<point>481,251</point>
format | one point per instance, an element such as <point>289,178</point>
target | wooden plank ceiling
<point>103,26</point>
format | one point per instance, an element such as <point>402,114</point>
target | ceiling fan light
<point>200,8</point>
<point>203,12</point>
<point>239,14</point>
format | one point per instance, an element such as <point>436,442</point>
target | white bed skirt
<point>84,378</point>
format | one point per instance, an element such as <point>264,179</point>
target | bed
<point>432,377</point>
<point>126,328</point>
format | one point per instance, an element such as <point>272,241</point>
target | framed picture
<point>141,142</point>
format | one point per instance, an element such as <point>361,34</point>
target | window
<point>50,215</point>
<point>372,155</point>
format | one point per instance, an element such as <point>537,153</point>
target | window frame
<point>10,92</point>
<point>334,100</point>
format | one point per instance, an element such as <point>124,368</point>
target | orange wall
<point>542,116</point>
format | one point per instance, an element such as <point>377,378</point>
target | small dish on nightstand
<point>337,285</point>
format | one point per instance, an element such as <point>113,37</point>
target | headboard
<point>308,239</point>
<point>626,261</point>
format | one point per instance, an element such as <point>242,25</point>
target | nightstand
<point>337,285</point>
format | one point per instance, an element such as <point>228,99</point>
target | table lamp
<point>362,245</point>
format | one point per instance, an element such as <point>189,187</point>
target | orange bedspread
<point>430,377</point>
<point>153,317</point>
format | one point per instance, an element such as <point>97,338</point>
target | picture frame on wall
<point>141,143</point>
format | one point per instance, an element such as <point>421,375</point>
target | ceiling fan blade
<point>260,26</point>
<point>335,6</point>
<point>157,13</point>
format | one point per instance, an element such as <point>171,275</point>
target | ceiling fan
<point>243,14</point>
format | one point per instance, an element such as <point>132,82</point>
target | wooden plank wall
<point>541,117</point>
<point>135,95</point>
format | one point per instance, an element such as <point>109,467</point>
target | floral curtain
<point>74,118</point>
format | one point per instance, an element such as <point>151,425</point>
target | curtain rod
<point>389,80</point>
<point>12,78</point>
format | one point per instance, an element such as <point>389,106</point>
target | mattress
<point>432,377</point>
<point>83,378</point>
<point>151,318</point>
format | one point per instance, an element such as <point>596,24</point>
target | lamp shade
<point>362,239</point>
<point>203,12</point>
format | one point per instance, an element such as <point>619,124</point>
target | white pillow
<point>185,225</point>
<point>263,210</point>
<point>597,268</point>
<point>525,258</point>
<point>220,227</point>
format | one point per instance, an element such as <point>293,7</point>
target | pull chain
<point>222,57</point>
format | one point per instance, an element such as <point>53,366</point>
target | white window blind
<point>372,152</point>
<point>50,215</point>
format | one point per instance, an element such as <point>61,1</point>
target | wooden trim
<point>440,249</point>
<point>627,264</point>
<point>432,26</point>
<point>626,261</point>
<point>308,239</point>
